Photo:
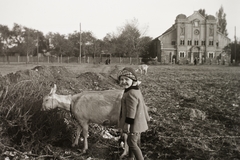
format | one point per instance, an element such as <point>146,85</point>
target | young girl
<point>134,115</point>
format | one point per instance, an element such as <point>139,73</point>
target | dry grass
<point>78,68</point>
<point>197,112</point>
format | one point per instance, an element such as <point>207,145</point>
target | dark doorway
<point>174,59</point>
<point>195,55</point>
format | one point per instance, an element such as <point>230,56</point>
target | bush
<point>23,124</point>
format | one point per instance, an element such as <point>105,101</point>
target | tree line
<point>129,41</point>
<point>24,41</point>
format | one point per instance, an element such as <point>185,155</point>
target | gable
<point>196,16</point>
<point>170,30</point>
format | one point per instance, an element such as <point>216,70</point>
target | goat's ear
<point>54,89</point>
<point>51,92</point>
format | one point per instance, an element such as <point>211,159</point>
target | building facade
<point>191,39</point>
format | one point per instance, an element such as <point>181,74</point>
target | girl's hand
<point>126,128</point>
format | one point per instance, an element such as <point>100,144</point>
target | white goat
<point>100,107</point>
<point>142,68</point>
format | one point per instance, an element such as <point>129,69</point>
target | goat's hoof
<point>82,151</point>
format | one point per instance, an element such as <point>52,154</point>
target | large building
<point>191,38</point>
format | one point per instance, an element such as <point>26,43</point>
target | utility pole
<point>235,46</point>
<point>37,49</point>
<point>27,45</point>
<point>80,43</point>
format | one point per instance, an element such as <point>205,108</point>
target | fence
<point>25,59</point>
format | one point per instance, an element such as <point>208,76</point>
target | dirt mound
<point>67,82</point>
<point>24,124</point>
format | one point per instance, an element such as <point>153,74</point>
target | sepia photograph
<point>119,80</point>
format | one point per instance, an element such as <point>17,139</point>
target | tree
<point>60,45</point>
<point>98,47</point>
<point>34,42</point>
<point>222,22</point>
<point>88,43</point>
<point>129,39</point>
<point>5,40</point>
<point>75,40</point>
<point>109,43</point>
<point>87,40</point>
<point>25,40</point>
<point>144,47</point>
<point>233,50</point>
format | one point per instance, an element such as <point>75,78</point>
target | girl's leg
<point>133,140</point>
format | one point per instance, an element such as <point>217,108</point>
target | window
<point>210,43</point>
<point>210,55</point>
<point>182,54</point>
<point>181,42</point>
<point>189,55</point>
<point>203,43</point>
<point>173,42</point>
<point>189,42</point>
<point>196,42</point>
<point>196,32</point>
<point>196,23</point>
<point>217,44</point>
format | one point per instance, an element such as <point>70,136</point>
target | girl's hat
<point>128,72</point>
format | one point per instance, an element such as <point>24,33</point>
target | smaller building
<point>191,39</point>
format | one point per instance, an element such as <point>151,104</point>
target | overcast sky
<point>105,16</point>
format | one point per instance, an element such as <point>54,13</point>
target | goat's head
<point>50,101</point>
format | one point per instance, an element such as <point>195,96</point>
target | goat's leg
<point>85,136</point>
<point>145,71</point>
<point>79,130</point>
<point>126,147</point>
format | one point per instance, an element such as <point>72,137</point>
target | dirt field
<point>79,68</point>
<point>194,109</point>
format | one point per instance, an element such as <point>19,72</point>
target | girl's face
<point>125,82</point>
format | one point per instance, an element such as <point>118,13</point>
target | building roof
<point>184,17</point>
<point>168,30</point>
<point>210,17</point>
<point>181,16</point>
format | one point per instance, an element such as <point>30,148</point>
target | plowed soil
<point>195,112</point>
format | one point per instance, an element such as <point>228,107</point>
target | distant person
<point>107,61</point>
<point>195,61</point>
<point>173,60</point>
<point>133,116</point>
